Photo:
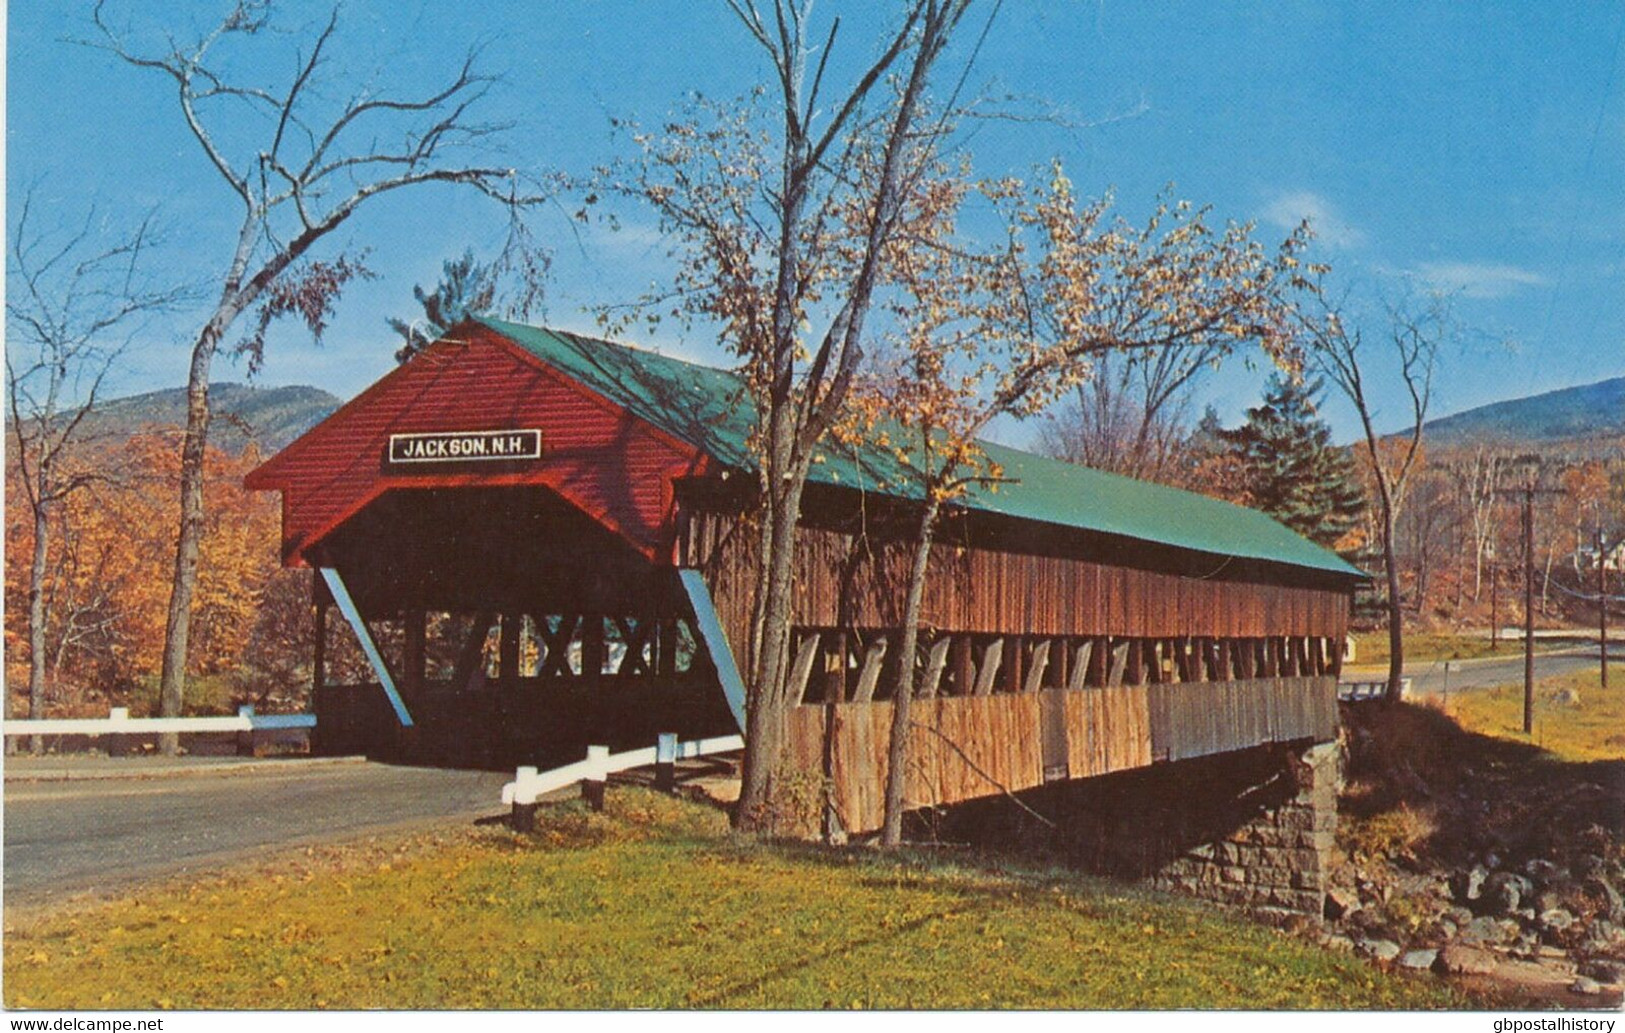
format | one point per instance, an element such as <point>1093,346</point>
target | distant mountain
<point>268,416</point>
<point>1572,415</point>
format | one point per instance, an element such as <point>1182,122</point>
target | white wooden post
<point>524,812</point>
<point>592,786</point>
<point>666,762</point>
<point>117,744</point>
<point>245,740</point>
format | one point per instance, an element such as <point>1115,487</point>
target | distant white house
<point>1613,559</point>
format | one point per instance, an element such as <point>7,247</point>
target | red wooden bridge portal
<point>542,541</point>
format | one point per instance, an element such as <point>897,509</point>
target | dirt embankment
<point>1480,857</point>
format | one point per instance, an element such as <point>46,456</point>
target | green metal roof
<point>711,409</point>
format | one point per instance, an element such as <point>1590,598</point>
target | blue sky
<point>1478,148</point>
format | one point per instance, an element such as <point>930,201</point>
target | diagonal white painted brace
<point>346,605</point>
<point>716,642</point>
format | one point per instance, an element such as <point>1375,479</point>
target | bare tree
<point>1427,528</point>
<point>73,300</point>
<point>1480,479</point>
<point>299,166</point>
<point>780,240</point>
<point>1129,417</point>
<point>1339,351</point>
<point>797,416</point>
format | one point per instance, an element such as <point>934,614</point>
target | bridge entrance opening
<point>512,628</point>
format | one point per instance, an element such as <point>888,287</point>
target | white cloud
<point>1478,279</point>
<point>630,239</point>
<point>1290,209</point>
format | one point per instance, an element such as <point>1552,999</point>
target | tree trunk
<point>1396,636</point>
<point>1546,582</point>
<point>781,500</point>
<point>766,710</point>
<point>36,624</point>
<point>178,629</point>
<point>1422,573</point>
<point>793,431</point>
<point>891,834</point>
<point>1461,581</point>
<point>1478,567</point>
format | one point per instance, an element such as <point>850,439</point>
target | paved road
<point>67,837</point>
<point>1429,679</point>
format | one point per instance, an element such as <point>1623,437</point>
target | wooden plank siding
<point>611,465</point>
<point>1197,719</point>
<point>966,747</point>
<point>1047,649</point>
<point>1107,730</point>
<point>960,748</point>
<point>843,582</point>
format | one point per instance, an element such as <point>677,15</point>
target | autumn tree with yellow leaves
<point>103,642</point>
<point>1005,331</point>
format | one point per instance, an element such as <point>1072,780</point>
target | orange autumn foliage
<point>111,552</point>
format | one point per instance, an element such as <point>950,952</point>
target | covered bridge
<point>540,540</point>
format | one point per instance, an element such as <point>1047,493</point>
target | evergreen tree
<point>466,288</point>
<point>1290,467</point>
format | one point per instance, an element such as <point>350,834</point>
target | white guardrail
<point>1363,691</point>
<point>528,783</point>
<point>119,722</point>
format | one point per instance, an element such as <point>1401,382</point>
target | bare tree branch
<point>72,306</point>
<point>312,169</point>
<point>1339,352</point>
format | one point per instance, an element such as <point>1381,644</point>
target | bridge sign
<point>462,446</point>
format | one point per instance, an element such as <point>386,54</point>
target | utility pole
<point>1602,602</point>
<point>1529,491</point>
<point>1529,608</point>
<point>1495,608</point>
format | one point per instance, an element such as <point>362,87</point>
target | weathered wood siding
<point>965,747</point>
<point>1107,730</point>
<point>961,748</point>
<point>839,584</point>
<point>1197,719</point>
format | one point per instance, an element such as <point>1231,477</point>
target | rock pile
<point>1460,921</point>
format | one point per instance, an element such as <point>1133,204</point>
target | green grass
<point>1371,647</point>
<point>1592,729</point>
<point>654,904</point>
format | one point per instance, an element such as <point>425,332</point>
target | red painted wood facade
<point>613,467</point>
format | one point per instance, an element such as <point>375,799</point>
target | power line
<point>1585,597</point>
<point>1585,176</point>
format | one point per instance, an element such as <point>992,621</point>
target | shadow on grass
<point>1478,792</point>
<point>744,988</point>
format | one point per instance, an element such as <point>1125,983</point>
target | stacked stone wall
<point>1254,827</point>
<point>1278,858</point>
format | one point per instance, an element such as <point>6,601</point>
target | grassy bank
<point>654,904</point>
<point>1371,647</point>
<point>1576,719</point>
<point>1444,787</point>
